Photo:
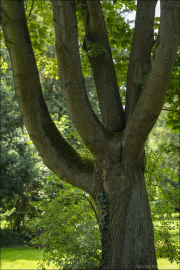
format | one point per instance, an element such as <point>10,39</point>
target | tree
<point>23,176</point>
<point>20,179</point>
<point>114,177</point>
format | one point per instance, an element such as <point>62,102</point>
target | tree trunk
<point>125,221</point>
<point>20,216</point>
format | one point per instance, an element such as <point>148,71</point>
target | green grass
<point>28,258</point>
<point>165,264</point>
<point>21,258</point>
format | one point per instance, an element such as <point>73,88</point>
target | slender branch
<point>156,185</point>
<point>92,208</point>
<point>171,110</point>
<point>89,201</point>
<point>32,5</point>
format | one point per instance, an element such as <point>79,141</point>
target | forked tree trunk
<point>126,224</point>
<point>115,176</point>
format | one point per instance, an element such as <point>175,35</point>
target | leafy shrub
<point>9,238</point>
<point>70,233</point>
<point>163,193</point>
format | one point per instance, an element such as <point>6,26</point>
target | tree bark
<point>127,230</point>
<point>125,220</point>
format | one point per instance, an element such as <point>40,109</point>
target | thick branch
<point>152,97</point>
<point>57,154</point>
<point>103,68</point>
<point>140,57</point>
<point>71,80</point>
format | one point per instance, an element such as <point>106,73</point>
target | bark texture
<point>115,177</point>
<point>130,239</point>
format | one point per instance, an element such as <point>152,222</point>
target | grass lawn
<point>28,258</point>
<point>21,258</point>
<point>165,264</point>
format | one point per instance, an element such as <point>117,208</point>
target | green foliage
<point>163,199</point>
<point>19,176</point>
<point>40,17</point>
<point>4,66</point>
<point>165,246</point>
<point>67,223</point>
<point>23,176</point>
<point>120,38</point>
<point>9,238</point>
<point>172,100</point>
<point>142,81</point>
<point>95,49</point>
<point>64,223</point>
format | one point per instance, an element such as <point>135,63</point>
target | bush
<point>9,238</point>
<point>69,230</point>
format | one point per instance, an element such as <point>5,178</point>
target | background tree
<point>23,176</point>
<point>18,172</point>
<point>115,175</point>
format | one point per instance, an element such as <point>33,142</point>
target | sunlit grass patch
<point>165,264</point>
<point>28,258</point>
<point>21,258</point>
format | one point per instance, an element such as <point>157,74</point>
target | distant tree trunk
<point>19,217</point>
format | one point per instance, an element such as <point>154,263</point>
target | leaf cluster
<point>95,49</point>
